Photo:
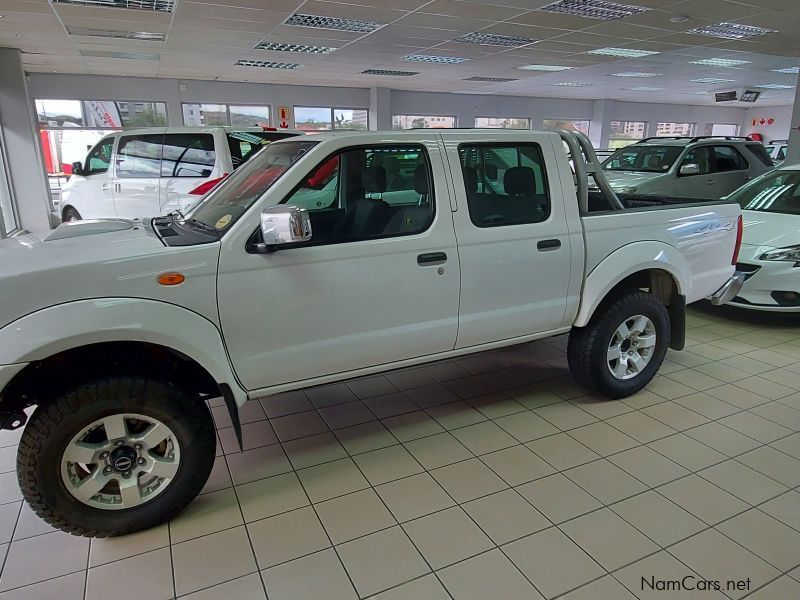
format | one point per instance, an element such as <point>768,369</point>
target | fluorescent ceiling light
<point>644,88</point>
<point>594,9</point>
<point>574,84</point>
<point>720,62</point>
<point>491,79</point>
<point>774,86</point>
<point>712,80</point>
<point>788,70</point>
<point>167,6</point>
<point>321,22</point>
<point>281,47</point>
<point>124,35</point>
<point>624,52</point>
<point>635,74</point>
<point>125,55</point>
<point>703,93</point>
<point>731,31</point>
<point>268,64</point>
<point>389,73</point>
<point>491,39</point>
<point>430,58</point>
<point>551,68</point>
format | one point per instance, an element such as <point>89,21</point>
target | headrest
<point>470,179</point>
<point>519,181</point>
<point>421,179</point>
<point>374,179</point>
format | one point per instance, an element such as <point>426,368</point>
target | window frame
<point>117,157</point>
<point>692,131</point>
<point>89,172</point>
<point>83,126</point>
<point>227,106</point>
<point>545,180</point>
<point>611,137</point>
<point>332,119</point>
<point>735,151</point>
<point>454,117</point>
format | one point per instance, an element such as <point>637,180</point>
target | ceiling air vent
<point>268,64</point>
<point>574,84</point>
<point>389,73</point>
<point>321,22</point>
<point>490,39</point>
<point>492,79</point>
<point>281,47</point>
<point>430,58</point>
<point>720,62</point>
<point>147,36</point>
<point>166,6</point>
<point>622,52</point>
<point>594,9</point>
<point>712,80</point>
<point>731,31</point>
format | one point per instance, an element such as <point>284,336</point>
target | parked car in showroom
<point>770,254</point>
<point>324,258</point>
<point>154,171</point>
<point>777,150</point>
<point>699,168</point>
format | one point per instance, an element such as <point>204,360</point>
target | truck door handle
<point>431,259</point>
<point>546,245</point>
<point>106,187</point>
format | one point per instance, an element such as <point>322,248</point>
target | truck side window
<point>188,155</point>
<point>139,155</point>
<point>727,158</point>
<point>367,193</point>
<point>99,158</point>
<point>505,184</point>
<point>700,156</point>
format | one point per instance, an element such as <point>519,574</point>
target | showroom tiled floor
<point>492,476</point>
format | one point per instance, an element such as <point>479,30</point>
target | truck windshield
<point>775,192</point>
<point>225,205</point>
<point>649,159</point>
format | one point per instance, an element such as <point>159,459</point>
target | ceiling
<point>205,40</point>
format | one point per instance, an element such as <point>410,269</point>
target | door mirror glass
<point>283,225</point>
<point>690,169</point>
<point>77,168</point>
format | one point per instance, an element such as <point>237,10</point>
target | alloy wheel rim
<point>120,461</point>
<point>631,347</point>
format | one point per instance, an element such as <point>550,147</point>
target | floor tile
<point>438,450</point>
<point>662,521</point>
<point>208,513</point>
<point>9,488</point>
<point>594,530</point>
<point>542,557</point>
<point>432,395</point>
<point>287,403</point>
<point>411,426</point>
<point>330,395</point>
<point>742,481</point>
<point>687,452</point>
<point>648,466</point>
<point>562,451</point>
<point>220,477</point>
<point>387,464</point>
<point>447,537</point>
<point>427,587</point>
<point>558,498</point>
<point>298,425</point>
<point>287,536</point>
<point>605,588</point>
<point>8,520</point>
<point>517,465</point>
<point>785,508</point>
<point>707,406</point>
<point>414,496</point>
<point>146,575</point>
<point>468,480</point>
<point>780,589</point>
<point>319,576</point>
<point>766,537</point>
<point>390,405</point>
<point>313,450</point>
<point>68,587</point>
<point>758,428</point>
<point>534,397</point>
<point>675,415</point>
<point>254,435</point>
<point>228,551</point>
<point>365,437</point>
<point>365,561</point>
<point>655,577</point>
<point>603,438</point>
<point>703,499</point>
<point>773,464</point>
<point>668,388</point>
<point>605,481</point>
<point>526,426</point>
<point>29,524</point>
<point>8,459</point>
<point>248,587</point>
<point>43,557</point>
<point>332,479</point>
<point>494,406</point>
<point>258,463</point>
<point>722,439</point>
<point>346,415</point>
<point>640,426</point>
<point>271,496</point>
<point>455,414</point>
<point>506,516</point>
<point>565,415</point>
<point>600,407</point>
<point>488,575</point>
<point>368,387</point>
<point>737,396</point>
<point>354,515</point>
<point>483,438</point>
<point>410,378</point>
<point>779,412</point>
<point>765,387</point>
<point>106,550</point>
<point>789,445</point>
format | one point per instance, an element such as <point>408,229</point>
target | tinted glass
<point>188,155</point>
<point>761,154</point>
<point>727,158</point>
<point>775,192</point>
<point>99,158</point>
<point>505,184</point>
<point>703,157</point>
<point>651,159</point>
<point>244,144</point>
<point>139,155</point>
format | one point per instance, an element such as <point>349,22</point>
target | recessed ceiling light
<point>389,73</point>
<point>430,58</point>
<point>281,47</point>
<point>731,31</point>
<point>788,70</point>
<point>635,74</point>
<point>552,68</point>
<point>774,86</point>
<point>125,55</point>
<point>678,19</point>
<point>321,22</point>
<point>268,64</point>
<point>574,84</point>
<point>491,79</point>
<point>594,9</point>
<point>155,5</point>
<point>147,36</point>
<point>491,39</point>
<point>712,80</point>
<point>703,93</point>
<point>720,62</point>
<point>644,88</point>
<point>625,52</point>
<point>19,35</point>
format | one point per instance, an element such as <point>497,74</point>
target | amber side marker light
<point>171,279</point>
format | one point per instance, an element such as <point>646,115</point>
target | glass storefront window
<point>723,129</point>
<point>346,118</point>
<point>214,115</point>
<point>625,133</point>
<point>324,118</point>
<point>502,123</point>
<point>581,125</point>
<point>686,129</point>
<point>422,122</point>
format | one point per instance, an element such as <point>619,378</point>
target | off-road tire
<point>53,425</point>
<point>587,347</point>
<point>70,214</point>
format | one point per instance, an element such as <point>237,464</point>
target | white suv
<point>154,171</point>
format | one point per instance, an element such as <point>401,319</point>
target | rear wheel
<point>70,214</point>
<point>622,347</point>
<point>116,456</point>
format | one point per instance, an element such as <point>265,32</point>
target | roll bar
<point>586,164</point>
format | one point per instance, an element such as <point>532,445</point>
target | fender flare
<point>625,261</point>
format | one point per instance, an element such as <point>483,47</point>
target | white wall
<point>778,129</point>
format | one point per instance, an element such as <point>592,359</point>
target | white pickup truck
<point>325,258</point>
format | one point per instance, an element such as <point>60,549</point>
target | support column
<point>793,151</point>
<point>601,119</point>
<point>22,145</point>
<point>380,109</point>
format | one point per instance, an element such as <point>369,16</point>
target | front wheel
<point>115,456</point>
<point>70,215</point>
<point>622,347</point>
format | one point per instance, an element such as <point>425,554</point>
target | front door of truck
<point>513,237</point>
<point>378,282</point>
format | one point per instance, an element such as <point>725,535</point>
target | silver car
<point>698,168</point>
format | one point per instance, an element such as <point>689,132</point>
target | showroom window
<point>686,129</point>
<point>221,115</point>
<point>321,118</point>
<point>423,122</point>
<point>722,129</point>
<point>502,123</point>
<point>581,125</point>
<point>625,133</point>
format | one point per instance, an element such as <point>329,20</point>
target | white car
<point>411,249</point>
<point>777,150</point>
<point>770,254</point>
<point>154,171</point>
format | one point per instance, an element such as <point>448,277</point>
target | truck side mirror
<point>690,169</point>
<point>77,168</point>
<point>282,225</point>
